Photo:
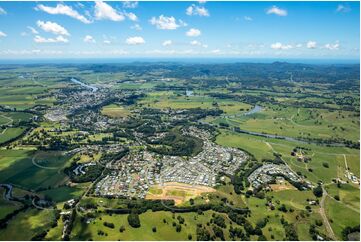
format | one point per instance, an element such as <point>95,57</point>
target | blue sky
<point>320,30</point>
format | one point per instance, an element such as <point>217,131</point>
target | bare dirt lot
<point>179,192</point>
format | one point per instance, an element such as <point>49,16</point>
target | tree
<point>122,229</point>
<point>317,191</point>
<point>133,220</point>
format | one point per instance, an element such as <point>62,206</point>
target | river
<point>93,88</point>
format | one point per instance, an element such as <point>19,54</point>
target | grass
<point>7,207</point>
<point>62,194</point>
<point>10,133</point>
<point>263,148</point>
<point>27,224</point>
<point>165,231</point>
<point>115,111</point>
<point>292,122</point>
<point>20,170</point>
<point>340,216</point>
<point>349,194</point>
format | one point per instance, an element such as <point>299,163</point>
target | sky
<point>300,30</point>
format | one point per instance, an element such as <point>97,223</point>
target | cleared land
<point>179,192</point>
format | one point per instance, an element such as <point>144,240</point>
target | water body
<point>255,109</point>
<point>93,88</point>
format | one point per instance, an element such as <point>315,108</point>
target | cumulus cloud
<point>65,10</point>
<point>197,10</point>
<point>193,32</point>
<point>130,4</point>
<point>52,27</point>
<point>341,8</point>
<point>280,46</point>
<point>89,39</point>
<point>169,23</point>
<point>59,38</point>
<point>106,12</point>
<point>2,34</point>
<point>311,44</point>
<point>131,16</point>
<point>334,46</point>
<point>216,51</point>
<point>137,40</point>
<point>248,18</point>
<point>33,31</point>
<point>2,11</point>
<point>276,10</point>
<point>167,43</point>
<point>108,42</point>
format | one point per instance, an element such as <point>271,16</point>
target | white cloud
<point>52,27</point>
<point>278,11</point>
<point>298,45</point>
<point>193,32</point>
<point>137,40</point>
<point>248,18</point>
<point>2,11</point>
<point>89,39</point>
<point>59,38</point>
<point>311,44</point>
<point>197,10</point>
<point>216,51</point>
<point>130,4</point>
<point>108,42</point>
<point>169,23</point>
<point>195,42</point>
<point>33,31</point>
<point>2,34</point>
<point>167,43</point>
<point>131,16</point>
<point>136,27</point>
<point>334,46</point>
<point>105,11</point>
<point>65,10</point>
<point>280,46</point>
<point>343,8</point>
